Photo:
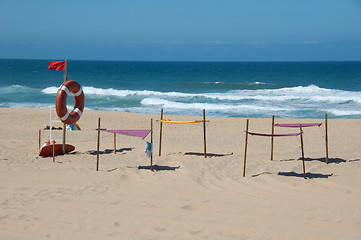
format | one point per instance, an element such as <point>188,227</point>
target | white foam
<point>284,101</point>
<point>208,106</point>
<point>27,105</point>
<point>13,89</point>
<point>256,83</point>
<point>309,93</point>
<point>341,112</point>
<point>50,90</point>
<point>120,93</point>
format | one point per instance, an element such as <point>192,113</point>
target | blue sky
<point>187,30</point>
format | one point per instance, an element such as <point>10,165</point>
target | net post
<point>98,143</point>
<point>272,139</point>
<point>303,154</point>
<point>151,141</point>
<point>326,138</point>
<point>245,149</point>
<point>115,143</point>
<point>160,132</point>
<point>204,133</point>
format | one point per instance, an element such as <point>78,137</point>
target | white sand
<point>189,197</point>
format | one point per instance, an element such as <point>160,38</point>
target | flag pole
<point>64,125</point>
<point>65,70</point>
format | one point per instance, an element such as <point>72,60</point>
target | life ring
<point>60,102</point>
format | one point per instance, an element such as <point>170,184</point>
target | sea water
<point>224,89</point>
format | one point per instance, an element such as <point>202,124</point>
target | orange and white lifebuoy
<point>60,102</point>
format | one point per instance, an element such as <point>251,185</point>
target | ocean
<point>224,89</point>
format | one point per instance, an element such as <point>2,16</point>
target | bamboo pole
<point>53,150</point>
<point>303,154</point>
<point>98,144</point>
<point>326,133</point>
<point>51,126</point>
<point>272,138</point>
<point>160,132</point>
<point>115,143</point>
<point>151,141</point>
<point>64,125</point>
<point>245,150</point>
<point>39,138</point>
<point>204,133</point>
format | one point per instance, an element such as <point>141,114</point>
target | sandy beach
<point>187,196</point>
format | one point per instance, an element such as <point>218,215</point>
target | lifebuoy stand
<point>67,87</point>
<point>60,102</point>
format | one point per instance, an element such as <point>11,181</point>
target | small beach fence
<point>272,135</point>
<point>297,125</point>
<point>204,121</point>
<point>141,133</point>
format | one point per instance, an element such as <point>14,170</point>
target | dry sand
<point>188,196</point>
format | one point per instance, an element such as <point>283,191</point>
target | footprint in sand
<point>187,207</point>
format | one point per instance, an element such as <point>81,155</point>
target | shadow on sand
<point>308,175</point>
<point>109,151</point>
<point>332,160</point>
<point>159,168</point>
<point>294,174</point>
<point>208,154</point>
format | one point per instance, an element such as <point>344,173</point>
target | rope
<point>181,122</point>
<point>319,125</point>
<point>273,135</point>
<point>297,125</point>
<point>252,134</point>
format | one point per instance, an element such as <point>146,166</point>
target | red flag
<point>56,65</point>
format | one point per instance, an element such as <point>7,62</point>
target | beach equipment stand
<point>296,125</point>
<point>142,133</point>
<point>161,121</point>
<point>272,135</point>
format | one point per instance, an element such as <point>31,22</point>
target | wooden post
<point>160,132</point>
<point>115,143</point>
<point>245,150</point>
<point>204,133</point>
<point>53,150</point>
<point>64,125</point>
<point>326,133</point>
<point>151,141</point>
<point>39,138</point>
<point>272,139</point>
<point>98,143</point>
<point>303,154</point>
